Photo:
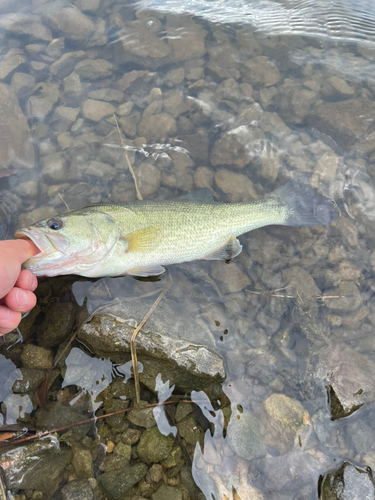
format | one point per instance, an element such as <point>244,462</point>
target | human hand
<point>16,286</point>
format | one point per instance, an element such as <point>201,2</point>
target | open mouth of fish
<point>42,241</point>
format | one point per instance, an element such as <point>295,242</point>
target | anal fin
<point>143,272</point>
<point>228,251</point>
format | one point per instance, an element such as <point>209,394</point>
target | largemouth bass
<point>139,238</point>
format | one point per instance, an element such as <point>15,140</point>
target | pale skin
<point>16,286</point>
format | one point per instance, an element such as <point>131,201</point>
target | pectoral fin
<point>228,251</point>
<point>143,272</point>
<point>143,239</point>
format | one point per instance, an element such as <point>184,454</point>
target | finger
<point>20,300</point>
<point>26,280</point>
<point>9,320</point>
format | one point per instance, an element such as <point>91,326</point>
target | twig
<point>89,420</point>
<point>62,199</point>
<point>270,293</point>
<point>139,196</point>
<point>133,350</point>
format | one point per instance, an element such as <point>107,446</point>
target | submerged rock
<point>48,461</point>
<point>116,483</point>
<point>172,342</point>
<point>16,147</point>
<point>348,482</point>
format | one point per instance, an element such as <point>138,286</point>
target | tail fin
<point>306,207</point>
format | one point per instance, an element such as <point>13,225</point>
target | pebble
<point>148,178</point>
<point>36,357</point>
<point>93,69</point>
<point>157,127</point>
<point>97,110</point>
<point>238,186</point>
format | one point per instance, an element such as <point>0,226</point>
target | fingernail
<point>21,297</point>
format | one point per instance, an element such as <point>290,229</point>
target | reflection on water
<point>269,360</point>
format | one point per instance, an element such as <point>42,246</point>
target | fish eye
<point>55,224</point>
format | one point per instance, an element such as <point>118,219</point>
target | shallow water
<point>235,97</point>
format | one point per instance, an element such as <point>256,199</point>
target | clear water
<point>256,72</point>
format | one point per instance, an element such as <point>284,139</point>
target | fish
<point>141,237</point>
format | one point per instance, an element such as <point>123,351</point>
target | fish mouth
<point>40,240</point>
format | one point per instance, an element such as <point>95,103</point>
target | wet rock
<point>48,459</point>
<point>260,72</point>
<point>230,275</point>
<point>136,78</point>
<point>46,95</point>
<point>67,21</point>
<point>113,462</point>
<point>82,462</point>
<point>157,127</point>
<point>302,282</point>
<point>325,169</point>
<point>271,122</point>
<point>153,447</point>
<point>77,490</point>
<point>344,121</point>
<point>65,116</point>
<point>54,167</point>
<point>10,63</point>
<point>25,24</point>
<point>167,344</point>
<point>237,147</point>
<point>285,423</point>
<point>57,325</point>
<point>102,170</point>
<point>59,415</point>
<point>143,417</point>
<point>224,60</point>
<point>203,178</point>
<point>28,188</point>
<point>108,95</point>
<point>29,380</point>
<point>174,77</point>
<point>34,356</point>
<point>238,186</point>
<point>55,48</point>
<point>64,66</point>
<point>347,297</point>
<point>40,213</point>
<point>97,110</point>
<point>348,482</point>
<point>93,69</point>
<point>244,436</point>
<point>22,84</point>
<point>16,147</point>
<point>166,492</point>
<point>190,431</point>
<point>351,378</point>
<point>148,178</point>
<point>341,86</point>
<point>131,436</point>
<point>116,483</point>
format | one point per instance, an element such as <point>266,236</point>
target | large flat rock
<point>173,342</point>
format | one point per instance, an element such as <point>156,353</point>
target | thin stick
<point>89,420</point>
<point>133,350</point>
<point>139,196</point>
<point>62,199</point>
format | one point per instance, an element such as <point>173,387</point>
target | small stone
<point>182,410</point>
<point>238,186</point>
<point>346,297</point>
<point>230,275</point>
<point>334,320</point>
<point>58,323</point>
<point>76,490</point>
<point>40,213</point>
<point>125,109</point>
<point>155,473</point>
<point>54,167</point>
<point>46,96</point>
<point>9,64</point>
<point>166,492</point>
<point>260,72</point>
<point>325,169</point>
<point>28,188</point>
<point>69,115</point>
<point>174,77</point>
<point>142,418</point>
<point>148,178</point>
<point>341,86</point>
<point>36,357</point>
<point>116,483</point>
<point>157,127</point>
<point>22,24</point>
<point>30,379</point>
<point>72,86</point>
<point>88,5</point>
<point>154,447</point>
<point>108,95</point>
<point>64,66</point>
<point>22,84</point>
<point>203,178</point>
<point>131,436</point>
<point>55,48</point>
<point>113,462</point>
<point>102,170</point>
<point>93,69</point>
<point>68,22</point>
<point>82,462</point>
<point>244,437</point>
<point>124,450</point>
<point>270,167</point>
<point>97,110</point>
